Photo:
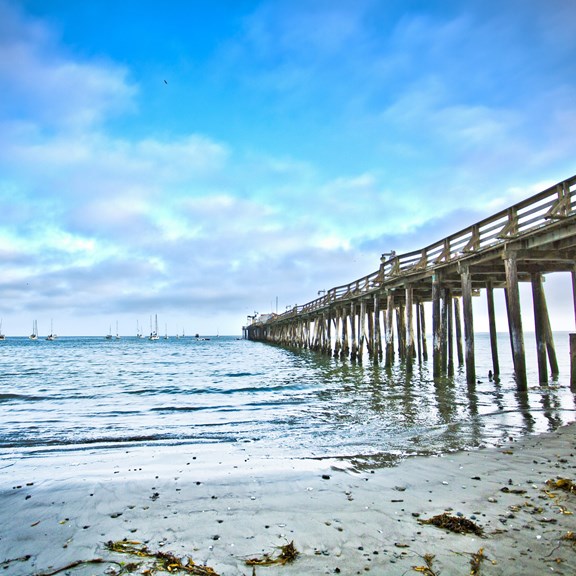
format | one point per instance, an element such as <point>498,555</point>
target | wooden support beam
<point>370,338</point>
<point>410,350</point>
<point>468,324</point>
<point>549,337</point>
<point>315,334</point>
<point>401,331</point>
<point>423,325</point>
<point>362,329</point>
<point>450,334</point>
<point>515,318</point>
<point>458,326</point>
<point>353,340</point>
<point>345,350</point>
<point>572,362</point>
<point>389,331</point>
<point>337,343</point>
<point>539,327</point>
<point>492,328</point>
<point>328,343</point>
<point>444,328</point>
<point>436,327</point>
<point>573,274</point>
<point>377,331</point>
<point>418,332</point>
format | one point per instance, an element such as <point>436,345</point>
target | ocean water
<point>79,394</point>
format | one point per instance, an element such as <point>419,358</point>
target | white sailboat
<point>154,333</point>
<point>166,332</point>
<point>2,336</point>
<point>34,335</point>
<point>109,335</point>
<point>117,335</point>
<point>51,336</point>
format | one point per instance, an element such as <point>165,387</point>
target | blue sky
<point>201,159</point>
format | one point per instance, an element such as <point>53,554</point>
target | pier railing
<point>539,211</point>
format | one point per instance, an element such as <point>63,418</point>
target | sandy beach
<point>222,505</point>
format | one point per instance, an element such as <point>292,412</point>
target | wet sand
<point>223,504</point>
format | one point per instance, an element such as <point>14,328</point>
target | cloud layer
<point>282,159</point>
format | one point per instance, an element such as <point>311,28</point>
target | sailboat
<point>117,336</point>
<point>166,332</point>
<point>154,334</point>
<point>109,335</point>
<point>138,331</point>
<point>2,337</point>
<point>51,336</point>
<point>34,335</point>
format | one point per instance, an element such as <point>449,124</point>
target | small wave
<point>51,442</point>
<point>155,391</point>
<point>168,409</point>
<point>65,445</point>
<point>9,397</point>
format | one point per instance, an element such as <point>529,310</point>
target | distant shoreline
<point>239,335</point>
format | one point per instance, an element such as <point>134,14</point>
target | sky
<point>203,160</point>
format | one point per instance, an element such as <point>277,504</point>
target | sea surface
<point>79,394</point>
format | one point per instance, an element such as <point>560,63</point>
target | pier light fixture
<point>387,255</point>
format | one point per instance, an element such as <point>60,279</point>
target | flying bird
<point>165,82</point>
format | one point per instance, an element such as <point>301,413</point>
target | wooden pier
<point>520,244</point>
